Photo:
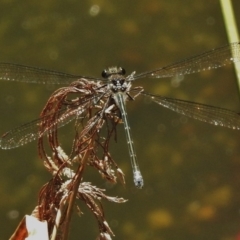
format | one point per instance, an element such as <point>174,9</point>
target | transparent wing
<point>31,131</point>
<point>212,59</point>
<point>213,115</point>
<point>20,73</point>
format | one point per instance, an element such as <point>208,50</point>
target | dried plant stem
<point>74,193</point>
<point>58,219</point>
<point>232,30</point>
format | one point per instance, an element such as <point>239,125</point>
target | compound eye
<point>123,72</point>
<point>105,74</point>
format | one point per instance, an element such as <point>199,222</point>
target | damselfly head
<point>106,73</point>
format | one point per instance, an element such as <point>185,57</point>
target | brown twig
<point>73,194</point>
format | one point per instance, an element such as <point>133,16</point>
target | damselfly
<point>118,88</point>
